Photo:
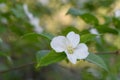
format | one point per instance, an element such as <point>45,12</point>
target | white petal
<point>81,52</point>
<point>59,43</point>
<point>71,57</point>
<point>73,38</point>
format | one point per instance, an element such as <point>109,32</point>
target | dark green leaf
<point>106,29</point>
<point>93,58</point>
<point>116,22</point>
<point>89,18</point>
<point>50,58</point>
<point>86,16</point>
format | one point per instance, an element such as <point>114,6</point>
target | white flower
<point>93,31</point>
<point>117,13</point>
<point>70,45</point>
<point>33,20</point>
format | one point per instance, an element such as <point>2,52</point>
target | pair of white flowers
<point>71,46</point>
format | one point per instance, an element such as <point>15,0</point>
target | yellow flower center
<point>70,49</point>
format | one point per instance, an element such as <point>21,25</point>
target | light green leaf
<point>93,58</point>
<point>87,37</point>
<point>48,35</point>
<point>50,58</point>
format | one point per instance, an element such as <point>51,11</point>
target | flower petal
<point>59,43</point>
<point>81,52</point>
<point>71,57</point>
<point>73,38</point>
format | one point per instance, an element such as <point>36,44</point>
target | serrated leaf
<point>95,59</point>
<point>87,37</point>
<point>50,58</point>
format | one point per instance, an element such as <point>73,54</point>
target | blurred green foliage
<point>21,46</point>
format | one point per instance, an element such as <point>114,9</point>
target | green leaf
<point>93,58</point>
<point>116,22</point>
<point>89,18</point>
<point>75,12</point>
<point>68,29</point>
<point>40,54</point>
<point>87,37</point>
<point>3,53</point>
<point>86,16</point>
<point>106,29</point>
<point>48,35</point>
<point>34,36</point>
<point>50,58</point>
<point>34,41</point>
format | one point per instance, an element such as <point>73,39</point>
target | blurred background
<point>20,17</point>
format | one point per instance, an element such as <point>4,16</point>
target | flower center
<point>70,49</point>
